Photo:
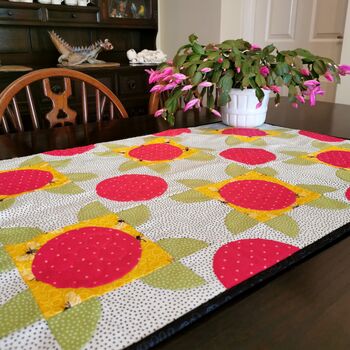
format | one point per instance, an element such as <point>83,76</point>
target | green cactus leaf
<point>81,176</point>
<point>266,171</point>
<point>93,210</point>
<point>193,183</point>
<point>7,203</point>
<point>106,154</point>
<point>284,224</point>
<point>175,276</point>
<point>74,327</point>
<point>327,203</point>
<point>60,163</point>
<point>201,156</point>
<point>232,141</point>
<point>294,153</point>
<point>259,143</point>
<point>237,222</point>
<point>6,262</point>
<point>160,168</point>
<point>129,165</point>
<point>317,188</point>
<point>69,188</point>
<point>14,235</point>
<point>286,135</point>
<point>299,161</point>
<point>135,216</point>
<point>18,312</point>
<point>179,248</point>
<point>190,196</point>
<point>343,174</point>
<point>235,170</point>
<point>31,161</point>
<point>320,145</point>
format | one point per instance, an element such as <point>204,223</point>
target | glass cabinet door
<point>129,9</point>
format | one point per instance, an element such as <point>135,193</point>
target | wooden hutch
<point>24,40</point>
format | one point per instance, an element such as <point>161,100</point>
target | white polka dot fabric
<point>241,202</point>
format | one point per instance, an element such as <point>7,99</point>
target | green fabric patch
<point>17,313</point>
<point>193,183</point>
<point>31,161</point>
<point>343,174</point>
<point>129,165</point>
<point>7,203</point>
<point>59,163</point>
<point>160,168</point>
<point>190,196</point>
<point>70,188</point>
<point>327,203</point>
<point>6,262</point>
<point>284,224</point>
<point>14,235</point>
<point>237,222</point>
<point>317,188</point>
<point>232,141</point>
<point>93,210</point>
<point>105,154</point>
<point>81,176</point>
<point>235,170</point>
<point>179,248</point>
<point>174,277</point>
<point>266,171</point>
<point>201,156</point>
<point>74,327</point>
<point>135,216</point>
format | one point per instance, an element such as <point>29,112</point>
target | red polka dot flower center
<point>86,257</point>
<point>70,151</point>
<point>337,158</point>
<point>251,156</point>
<point>127,188</point>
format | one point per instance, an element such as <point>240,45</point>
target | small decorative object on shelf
<point>146,56</point>
<point>128,9</point>
<point>74,56</point>
<point>238,76</point>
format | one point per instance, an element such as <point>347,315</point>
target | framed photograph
<point>129,9</point>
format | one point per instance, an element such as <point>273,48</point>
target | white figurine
<point>146,56</point>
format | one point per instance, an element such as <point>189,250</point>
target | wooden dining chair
<point>156,101</point>
<point>57,94</point>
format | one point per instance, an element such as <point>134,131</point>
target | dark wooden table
<point>307,307</point>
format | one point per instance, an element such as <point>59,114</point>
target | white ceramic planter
<point>241,111</point>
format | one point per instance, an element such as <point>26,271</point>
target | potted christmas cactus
<point>234,79</point>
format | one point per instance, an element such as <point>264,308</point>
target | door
<point>316,25</point>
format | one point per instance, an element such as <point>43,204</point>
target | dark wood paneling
<point>14,40</point>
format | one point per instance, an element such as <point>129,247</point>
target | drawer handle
<point>74,15</point>
<point>132,84</point>
<point>10,13</point>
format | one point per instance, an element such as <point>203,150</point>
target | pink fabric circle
<point>131,187</point>
<point>173,132</point>
<point>156,151</point>
<point>252,156</point>
<point>320,137</point>
<point>258,195</point>
<point>347,194</point>
<point>86,257</point>
<point>70,151</point>
<point>237,261</point>
<point>339,159</point>
<point>18,181</point>
<point>244,132</point>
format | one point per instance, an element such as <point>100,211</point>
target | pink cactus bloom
<point>153,75</point>
<point>187,87</point>
<point>206,70</point>
<point>300,98</point>
<point>157,88</point>
<point>220,60</point>
<point>170,86</point>
<point>170,62</point>
<point>295,105</point>
<point>192,103</point>
<point>258,105</point>
<point>343,69</point>
<point>311,83</point>
<point>159,112</point>
<point>216,113</point>
<point>264,71</point>
<point>328,75</point>
<point>274,88</point>
<point>205,84</point>
<point>238,69</point>
<point>179,76</point>
<point>305,72</point>
<point>312,92</point>
<point>255,47</point>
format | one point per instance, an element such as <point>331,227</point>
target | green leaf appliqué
<point>135,216</point>
<point>327,203</point>
<point>14,235</point>
<point>31,161</point>
<point>69,188</point>
<point>93,210</point>
<point>190,196</point>
<point>237,222</point>
<point>343,174</point>
<point>81,176</point>
<point>235,170</point>
<point>7,203</point>
<point>179,248</point>
<point>284,224</point>
<point>193,183</point>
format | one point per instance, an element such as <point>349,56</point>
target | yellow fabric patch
<point>313,156</point>
<point>53,300</point>
<point>186,151</point>
<point>245,138</point>
<point>302,195</point>
<point>57,180</point>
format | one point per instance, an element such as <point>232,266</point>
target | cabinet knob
<point>74,15</point>
<point>132,84</point>
<point>10,13</point>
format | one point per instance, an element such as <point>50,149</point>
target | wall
<point>343,90</point>
<point>212,21</point>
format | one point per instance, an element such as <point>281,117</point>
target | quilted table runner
<point>103,245</point>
